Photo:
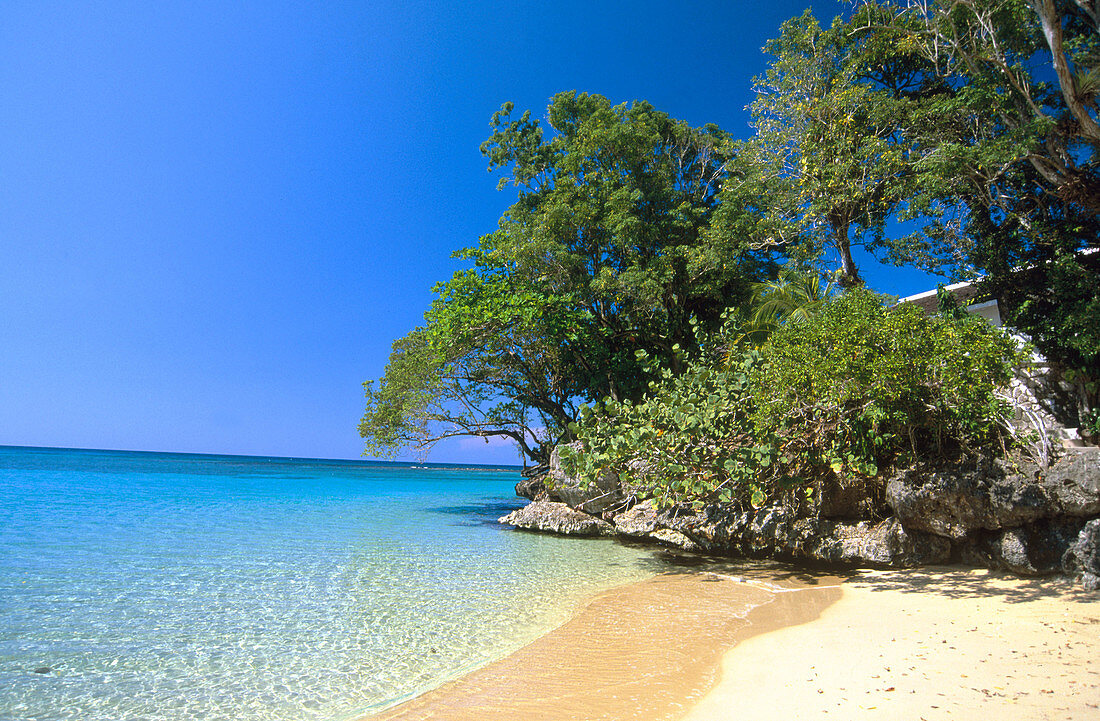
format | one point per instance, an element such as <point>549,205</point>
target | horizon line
<point>280,458</point>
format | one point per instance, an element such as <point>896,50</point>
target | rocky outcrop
<point>776,532</point>
<point>978,493</point>
<point>1082,558</point>
<point>1036,549</point>
<point>849,497</point>
<point>887,543</point>
<point>998,515</point>
<point>531,487</point>
<point>556,485</point>
<point>1075,482</point>
<point>556,518</point>
<point>986,494</point>
<point>643,521</point>
<point>979,510</point>
<point>597,497</point>
<point>639,521</point>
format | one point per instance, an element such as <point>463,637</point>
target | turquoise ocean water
<point>168,586</point>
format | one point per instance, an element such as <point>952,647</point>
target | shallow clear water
<point>167,586</point>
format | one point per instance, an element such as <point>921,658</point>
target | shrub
<point>864,385</point>
<point>855,390</point>
<point>691,439</point>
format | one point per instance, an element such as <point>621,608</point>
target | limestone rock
<point>938,501</point>
<point>1018,500</point>
<point>557,518</point>
<point>849,497</point>
<point>779,532</point>
<point>770,530</point>
<point>1082,558</point>
<point>887,543</point>
<point>638,521</point>
<point>954,500</point>
<point>644,521</point>
<point>1036,549</point>
<point>674,538</point>
<point>1010,549</point>
<point>531,488</point>
<point>718,528</point>
<point>1074,481</point>
<point>596,497</point>
<point>980,510</point>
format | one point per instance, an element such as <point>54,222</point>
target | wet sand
<point>736,642</point>
<point>647,651</point>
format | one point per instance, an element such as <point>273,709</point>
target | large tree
<point>830,147</point>
<point>1007,157</point>
<point>601,255</point>
<point>1027,75</point>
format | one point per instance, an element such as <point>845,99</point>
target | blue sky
<point>216,217</point>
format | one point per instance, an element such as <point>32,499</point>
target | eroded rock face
<point>778,532</point>
<point>771,529</point>
<point>887,543</point>
<point>644,521</point>
<point>1033,550</point>
<point>1082,558</point>
<point>531,488</point>
<point>939,501</point>
<point>674,538</point>
<point>980,493</point>
<point>849,497</point>
<point>982,511</point>
<point>983,494</point>
<point>638,521</point>
<point>556,518</point>
<point>596,497</point>
<point>1074,481</point>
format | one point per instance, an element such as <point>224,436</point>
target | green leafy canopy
<point>601,255</point>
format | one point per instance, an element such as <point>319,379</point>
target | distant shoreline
<point>350,462</point>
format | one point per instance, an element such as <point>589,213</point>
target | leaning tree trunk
<point>849,273</point>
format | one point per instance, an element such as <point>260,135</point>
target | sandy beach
<point>735,642</point>
<point>924,644</point>
<point>649,650</point>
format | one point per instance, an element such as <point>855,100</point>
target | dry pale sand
<point>929,644</point>
<point>745,642</point>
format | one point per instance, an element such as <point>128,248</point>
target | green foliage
<point>865,384</point>
<point>1090,423</point>
<point>796,294</point>
<point>600,256</point>
<point>692,438</point>
<point>611,215</point>
<point>854,390</point>
<point>1057,303</point>
<point>828,137</point>
<point>976,120</point>
<point>947,305</point>
<point>1006,149</point>
<point>490,361</point>
<point>1021,76</point>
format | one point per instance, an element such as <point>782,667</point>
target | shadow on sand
<point>963,582</point>
<point>946,581</point>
